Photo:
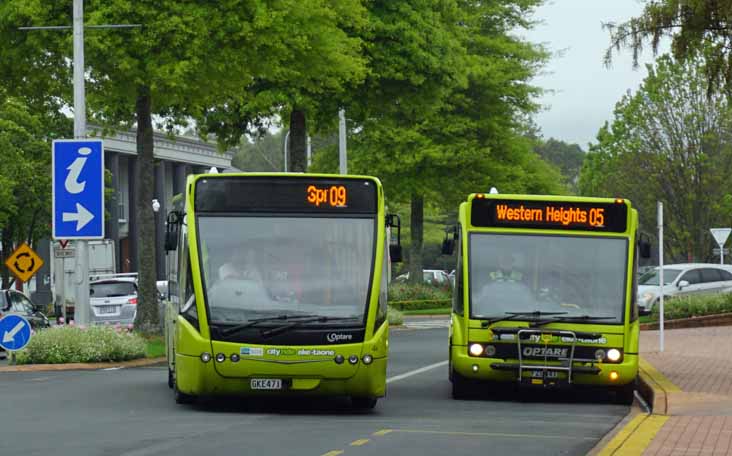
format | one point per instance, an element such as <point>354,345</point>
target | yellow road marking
<point>635,437</point>
<point>493,434</point>
<point>382,432</point>
<point>333,453</point>
<point>360,442</point>
<point>658,377</point>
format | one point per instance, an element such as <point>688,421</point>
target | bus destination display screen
<point>562,215</point>
<point>286,194</point>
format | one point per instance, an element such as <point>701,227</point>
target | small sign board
<point>720,234</point>
<point>15,332</point>
<point>24,262</point>
<point>64,253</point>
<point>715,251</point>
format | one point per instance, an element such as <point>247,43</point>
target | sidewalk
<point>697,366</point>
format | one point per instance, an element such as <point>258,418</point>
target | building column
<point>112,223</point>
<point>134,232</point>
<point>179,178</point>
<point>160,219</point>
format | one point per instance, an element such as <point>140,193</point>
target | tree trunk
<point>7,242</point>
<point>416,225</point>
<point>147,320</point>
<point>298,142</point>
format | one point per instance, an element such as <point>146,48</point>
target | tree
<point>692,25</point>
<point>186,58</point>
<point>567,157</point>
<point>670,141</point>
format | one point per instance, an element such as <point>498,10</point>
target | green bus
<point>545,293</point>
<point>277,286</point>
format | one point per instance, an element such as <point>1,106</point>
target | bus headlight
<point>476,349</point>
<point>600,355</point>
<point>367,359</point>
<point>205,357</point>
<point>490,350</point>
<point>613,354</point>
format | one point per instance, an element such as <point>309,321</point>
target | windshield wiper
<point>512,315</point>
<point>571,318</point>
<point>295,324</point>
<point>255,321</point>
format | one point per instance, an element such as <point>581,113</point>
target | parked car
<point>113,300</point>
<point>682,280</point>
<point>13,302</point>
<point>436,277</point>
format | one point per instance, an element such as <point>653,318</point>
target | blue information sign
<point>78,189</point>
<point>15,332</point>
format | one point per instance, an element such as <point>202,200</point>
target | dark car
<point>14,302</point>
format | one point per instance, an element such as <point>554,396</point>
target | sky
<point>583,90</point>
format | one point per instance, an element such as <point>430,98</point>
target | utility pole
<point>81,270</point>
<point>342,155</point>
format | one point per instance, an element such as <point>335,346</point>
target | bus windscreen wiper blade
<point>570,318</point>
<point>512,315</point>
<point>255,321</point>
<point>294,324</point>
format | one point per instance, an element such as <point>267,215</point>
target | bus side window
<point>457,294</point>
<point>634,288</point>
<point>383,292</point>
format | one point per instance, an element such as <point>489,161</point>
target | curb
<point>82,366</point>
<point>691,322</point>
<point>655,388</point>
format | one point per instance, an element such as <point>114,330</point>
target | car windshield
<point>578,276</point>
<point>653,277</point>
<point>111,289</point>
<point>255,267</point>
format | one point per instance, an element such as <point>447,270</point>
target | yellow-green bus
<point>545,293</point>
<point>278,286</point>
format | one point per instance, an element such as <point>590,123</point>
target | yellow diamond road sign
<point>24,262</point>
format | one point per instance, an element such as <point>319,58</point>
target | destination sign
<point>285,194</point>
<point>562,215</point>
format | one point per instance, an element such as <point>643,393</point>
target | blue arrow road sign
<point>15,332</point>
<point>78,189</point>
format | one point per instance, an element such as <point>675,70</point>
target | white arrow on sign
<point>82,216</point>
<point>10,335</point>
<point>720,234</point>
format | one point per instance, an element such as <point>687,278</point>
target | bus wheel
<point>626,394</point>
<point>182,398</point>
<point>461,387</point>
<point>363,403</point>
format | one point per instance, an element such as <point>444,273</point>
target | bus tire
<point>363,403</point>
<point>170,379</point>
<point>461,387</point>
<point>625,394</point>
<point>182,398</point>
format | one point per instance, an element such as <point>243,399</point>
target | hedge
<point>694,306</point>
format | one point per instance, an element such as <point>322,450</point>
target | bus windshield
<point>257,267</point>
<point>577,276</point>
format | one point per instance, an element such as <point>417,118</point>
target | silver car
<point>682,280</point>
<point>113,300</point>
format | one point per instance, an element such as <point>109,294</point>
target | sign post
<point>721,235</point>
<point>661,283</point>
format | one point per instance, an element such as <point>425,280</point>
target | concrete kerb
<point>655,388</point>
<point>83,366</point>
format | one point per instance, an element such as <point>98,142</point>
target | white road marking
<point>416,371</point>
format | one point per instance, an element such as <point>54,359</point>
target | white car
<point>430,276</point>
<point>113,300</point>
<point>682,280</point>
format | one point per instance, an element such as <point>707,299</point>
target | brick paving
<point>699,362</point>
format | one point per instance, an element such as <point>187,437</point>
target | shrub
<point>420,305</point>
<point>417,292</point>
<point>75,344</point>
<point>694,306</point>
<point>395,317</point>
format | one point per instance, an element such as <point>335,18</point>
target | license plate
<point>544,374</point>
<point>266,383</point>
<point>107,309</point>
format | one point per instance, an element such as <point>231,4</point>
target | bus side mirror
<point>394,223</point>
<point>644,246</point>
<point>172,230</point>
<point>448,244</point>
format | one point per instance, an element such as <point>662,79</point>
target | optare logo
<point>336,337</point>
<point>549,352</point>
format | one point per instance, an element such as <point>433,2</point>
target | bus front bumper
<point>500,370</point>
<point>197,378</point>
